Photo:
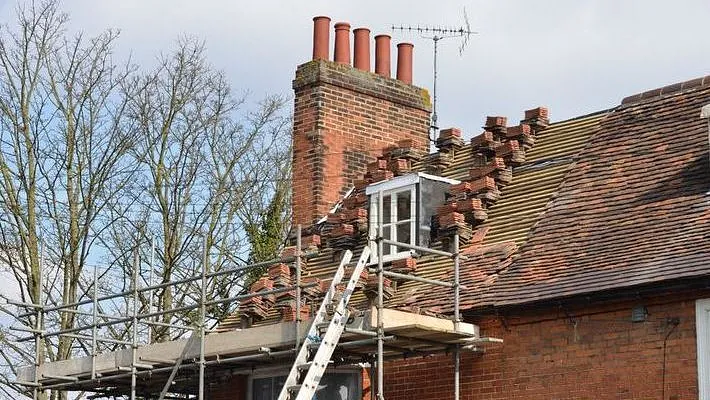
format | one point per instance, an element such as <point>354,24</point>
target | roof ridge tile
<point>668,89</point>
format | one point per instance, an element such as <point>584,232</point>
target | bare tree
<point>205,163</point>
<point>64,156</point>
<point>88,159</point>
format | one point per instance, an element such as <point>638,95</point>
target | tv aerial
<point>436,34</point>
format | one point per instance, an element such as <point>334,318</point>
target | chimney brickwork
<point>343,119</point>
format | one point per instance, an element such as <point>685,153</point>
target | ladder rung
<point>308,364</point>
<point>314,339</point>
<point>294,388</point>
<point>326,324</point>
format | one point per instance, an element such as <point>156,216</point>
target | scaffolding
<point>158,376</point>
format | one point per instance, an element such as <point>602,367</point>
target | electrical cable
<point>675,322</point>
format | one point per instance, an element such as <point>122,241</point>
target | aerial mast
<point>436,34</point>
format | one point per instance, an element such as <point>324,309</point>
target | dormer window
<point>407,204</point>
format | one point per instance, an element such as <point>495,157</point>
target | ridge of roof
<point>666,90</point>
<point>601,112</point>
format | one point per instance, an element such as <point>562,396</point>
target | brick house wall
<point>343,119</point>
<point>594,352</point>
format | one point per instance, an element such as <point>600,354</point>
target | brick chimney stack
<point>344,116</point>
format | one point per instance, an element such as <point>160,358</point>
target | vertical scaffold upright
<point>380,300</point>
<point>134,323</point>
<point>39,325</point>
<point>455,256</point>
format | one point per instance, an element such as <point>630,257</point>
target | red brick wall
<point>591,353</point>
<point>343,119</point>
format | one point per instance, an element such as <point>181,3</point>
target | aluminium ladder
<point>300,386</point>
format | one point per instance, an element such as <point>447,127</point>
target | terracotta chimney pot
<point>404,62</point>
<point>321,37</point>
<point>382,55</point>
<point>362,49</point>
<point>342,43</point>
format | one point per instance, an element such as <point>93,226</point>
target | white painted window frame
<point>702,326</point>
<point>375,218</point>
<point>280,371</point>
<point>400,183</point>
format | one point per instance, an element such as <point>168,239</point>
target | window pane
<point>404,205</point>
<point>374,204</point>
<point>404,233</point>
<point>338,387</point>
<point>279,382</point>
<point>261,389</point>
<point>424,236</point>
<point>386,209</point>
<point>432,195</point>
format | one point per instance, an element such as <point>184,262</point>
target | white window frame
<point>395,185</point>
<point>276,372</point>
<point>702,326</point>
<point>392,224</point>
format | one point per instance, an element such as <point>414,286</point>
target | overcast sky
<point>575,57</point>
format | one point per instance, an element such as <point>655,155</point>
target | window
<point>408,206</point>
<point>702,324</point>
<point>336,385</point>
<point>398,218</point>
